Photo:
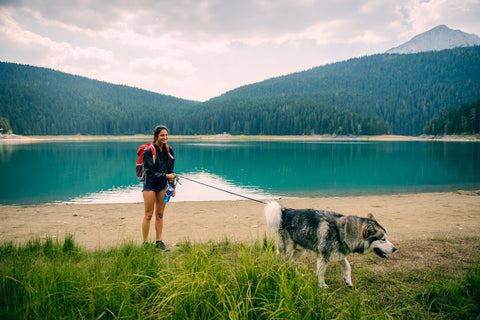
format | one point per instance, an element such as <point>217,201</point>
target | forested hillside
<point>39,101</point>
<point>279,116</point>
<point>464,120</point>
<point>385,93</point>
<point>406,90</point>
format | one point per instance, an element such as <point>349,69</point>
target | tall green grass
<point>224,280</point>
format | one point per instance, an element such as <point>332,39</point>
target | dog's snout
<point>394,249</point>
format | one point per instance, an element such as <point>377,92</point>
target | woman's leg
<point>149,201</point>
<point>159,210</point>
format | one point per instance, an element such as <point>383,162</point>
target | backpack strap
<point>154,153</point>
<point>168,150</point>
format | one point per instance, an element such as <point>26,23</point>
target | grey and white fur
<point>330,236</point>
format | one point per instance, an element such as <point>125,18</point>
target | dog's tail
<point>273,215</point>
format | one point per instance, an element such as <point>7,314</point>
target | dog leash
<point>210,186</point>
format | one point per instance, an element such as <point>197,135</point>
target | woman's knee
<point>148,216</point>
<point>160,215</point>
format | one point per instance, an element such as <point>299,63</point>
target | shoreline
<point>17,139</point>
<point>404,216</point>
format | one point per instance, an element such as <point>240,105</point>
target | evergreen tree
<point>5,126</point>
<point>464,120</point>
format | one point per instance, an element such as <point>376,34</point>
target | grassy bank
<point>434,279</point>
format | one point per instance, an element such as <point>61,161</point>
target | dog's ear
<point>371,217</point>
<point>368,231</point>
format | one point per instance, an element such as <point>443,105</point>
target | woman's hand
<point>170,176</point>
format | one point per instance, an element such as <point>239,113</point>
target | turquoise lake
<point>103,172</point>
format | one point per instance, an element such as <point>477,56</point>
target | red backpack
<point>139,168</point>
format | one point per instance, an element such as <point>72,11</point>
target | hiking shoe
<point>160,245</point>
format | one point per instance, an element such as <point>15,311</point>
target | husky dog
<point>329,235</point>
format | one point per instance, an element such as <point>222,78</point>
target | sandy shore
<point>406,217</point>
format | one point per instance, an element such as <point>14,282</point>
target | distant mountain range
<point>404,90</point>
<point>378,94</point>
<point>438,38</point>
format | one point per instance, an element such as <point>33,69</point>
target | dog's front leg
<point>321,268</point>
<point>347,272</point>
<point>296,254</point>
<point>280,245</point>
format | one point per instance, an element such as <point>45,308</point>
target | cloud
<point>200,19</point>
<point>463,15</point>
<point>52,54</point>
<point>161,64</point>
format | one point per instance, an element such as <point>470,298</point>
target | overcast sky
<point>199,49</point>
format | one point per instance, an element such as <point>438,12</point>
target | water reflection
<point>186,191</point>
<point>104,171</point>
<point>457,158</point>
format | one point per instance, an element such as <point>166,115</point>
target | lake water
<point>103,172</point>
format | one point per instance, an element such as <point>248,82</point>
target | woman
<point>157,173</point>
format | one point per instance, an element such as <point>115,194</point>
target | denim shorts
<point>150,187</point>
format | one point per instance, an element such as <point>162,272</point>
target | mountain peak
<point>439,38</point>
